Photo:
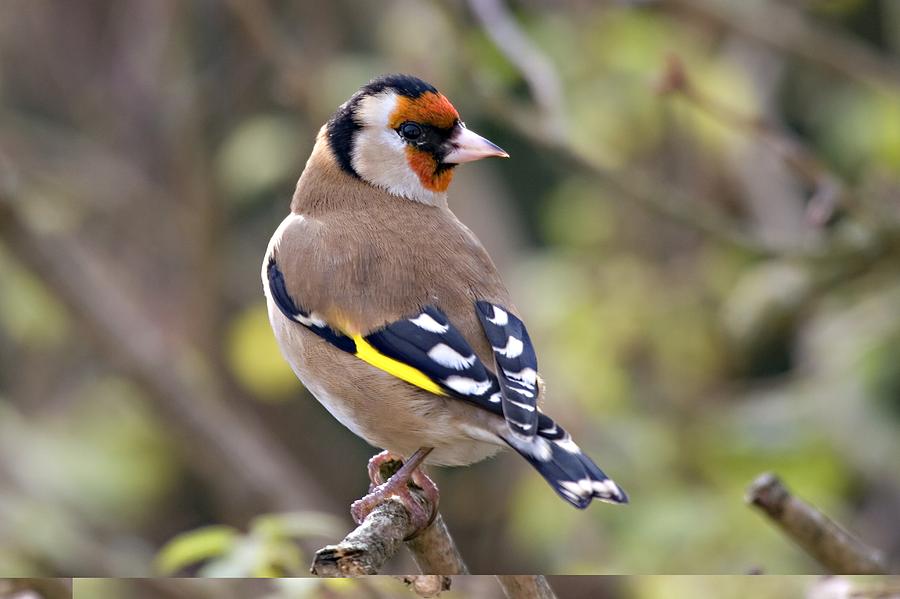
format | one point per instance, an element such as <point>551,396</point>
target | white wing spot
<point>568,444</point>
<point>513,348</point>
<point>501,318</point>
<point>446,356</point>
<point>467,386</point>
<point>313,320</point>
<point>425,321</point>
<point>549,431</point>
<point>495,398</point>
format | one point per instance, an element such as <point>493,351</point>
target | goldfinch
<point>391,312</point>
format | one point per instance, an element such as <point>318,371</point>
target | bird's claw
<point>398,487</point>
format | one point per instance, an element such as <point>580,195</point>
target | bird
<point>391,312</point>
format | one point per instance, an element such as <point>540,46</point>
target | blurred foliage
<point>254,356</point>
<point>372,587</point>
<point>485,587</point>
<point>164,140</point>
<point>268,549</point>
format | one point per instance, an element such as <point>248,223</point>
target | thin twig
<point>828,189</point>
<point>536,69</point>
<point>637,185</point>
<point>644,187</point>
<point>828,543</point>
<point>526,587</point>
<point>641,187</point>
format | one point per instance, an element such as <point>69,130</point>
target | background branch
<point>526,587</point>
<point>537,70</point>
<point>165,365</point>
<point>35,588</point>
<point>550,134</point>
<point>828,543</point>
<point>828,188</point>
<point>786,29</point>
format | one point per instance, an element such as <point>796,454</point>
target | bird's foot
<point>399,486</point>
<point>382,466</point>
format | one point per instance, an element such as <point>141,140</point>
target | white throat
<point>379,154</point>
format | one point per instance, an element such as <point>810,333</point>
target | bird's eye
<point>410,130</point>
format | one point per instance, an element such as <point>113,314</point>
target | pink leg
<point>398,486</point>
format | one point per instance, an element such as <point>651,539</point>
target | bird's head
<point>399,133</point>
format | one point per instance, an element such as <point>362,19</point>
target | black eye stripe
<point>431,139</point>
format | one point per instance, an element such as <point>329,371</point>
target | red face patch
<point>425,166</point>
<point>428,109</point>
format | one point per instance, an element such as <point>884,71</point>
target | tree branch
<point>368,547</point>
<point>828,543</point>
<point>526,587</point>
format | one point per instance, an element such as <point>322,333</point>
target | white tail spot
<point>501,318</point>
<point>513,348</point>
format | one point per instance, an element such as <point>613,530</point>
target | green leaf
<point>195,546</point>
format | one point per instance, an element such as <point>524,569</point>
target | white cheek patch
<point>379,154</point>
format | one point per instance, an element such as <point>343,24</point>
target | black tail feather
<point>571,473</point>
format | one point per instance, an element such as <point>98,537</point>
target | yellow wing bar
<point>413,376</point>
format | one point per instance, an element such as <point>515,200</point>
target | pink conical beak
<point>468,146</point>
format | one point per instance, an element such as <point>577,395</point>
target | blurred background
<point>700,222</point>
<point>485,587</point>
